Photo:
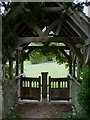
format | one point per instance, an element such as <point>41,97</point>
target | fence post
<point>44,85</point>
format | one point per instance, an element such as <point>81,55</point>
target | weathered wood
<point>36,28</point>
<point>74,62</point>
<point>49,39</point>
<point>66,55</point>
<point>44,85</point>
<point>77,52</point>
<point>47,47</point>
<point>11,69</point>
<point>52,26</point>
<point>60,24</point>
<point>70,63</point>
<point>53,9</point>
<point>87,54</point>
<point>17,63</point>
<point>76,28</point>
<point>84,25</point>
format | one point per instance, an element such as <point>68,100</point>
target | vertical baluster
<point>22,83</point>
<point>58,84</point>
<point>55,84</point>
<point>52,84</point>
<point>36,85</point>
<point>28,84</point>
<point>32,84</point>
<point>66,84</point>
<point>61,84</point>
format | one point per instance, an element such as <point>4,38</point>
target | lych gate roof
<point>68,25</point>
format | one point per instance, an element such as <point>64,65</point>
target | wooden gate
<point>30,88</point>
<point>59,88</point>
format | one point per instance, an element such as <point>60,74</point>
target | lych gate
<point>37,89</point>
<point>63,24</point>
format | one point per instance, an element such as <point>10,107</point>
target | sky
<point>86,9</point>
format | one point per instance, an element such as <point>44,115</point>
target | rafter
<point>75,50</point>
<point>65,54</point>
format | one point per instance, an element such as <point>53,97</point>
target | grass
<point>53,69</point>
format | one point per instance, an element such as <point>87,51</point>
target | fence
<point>30,88</point>
<point>59,88</point>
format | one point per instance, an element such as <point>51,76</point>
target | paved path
<point>43,109</point>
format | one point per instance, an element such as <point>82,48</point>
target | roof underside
<point>68,25</point>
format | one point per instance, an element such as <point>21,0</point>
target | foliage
<point>84,91</point>
<point>36,57</point>
<point>44,55</point>
<point>7,76</point>
<point>77,116</point>
<point>34,12</point>
<point>9,40</point>
<point>13,115</point>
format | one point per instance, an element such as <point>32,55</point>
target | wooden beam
<point>77,52</point>
<point>70,63</point>
<point>47,47</point>
<point>52,26</point>
<point>60,24</point>
<point>49,39</point>
<point>11,69</point>
<point>78,20</point>
<point>76,28</point>
<point>35,28</point>
<point>65,54</point>
<point>53,9</point>
<point>17,63</point>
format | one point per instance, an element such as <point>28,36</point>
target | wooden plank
<point>47,47</point>
<point>49,39</point>
<point>84,26</point>
<point>76,28</point>
<point>53,9</point>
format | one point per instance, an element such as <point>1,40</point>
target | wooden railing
<point>59,88</point>
<point>30,88</point>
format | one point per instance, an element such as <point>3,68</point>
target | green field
<point>53,69</point>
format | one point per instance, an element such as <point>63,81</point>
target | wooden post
<point>44,85</point>
<point>22,64</point>
<point>22,67</point>
<point>70,64</point>
<point>11,69</point>
<point>74,67</point>
<point>17,64</point>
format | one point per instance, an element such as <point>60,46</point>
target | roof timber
<point>53,9</point>
<point>84,25</point>
<point>75,50</point>
<point>47,47</point>
<point>76,28</point>
<point>50,39</point>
